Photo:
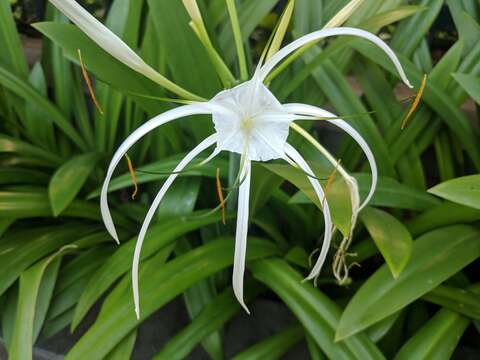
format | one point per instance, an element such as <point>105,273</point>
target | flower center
<point>254,123</point>
<point>246,124</point>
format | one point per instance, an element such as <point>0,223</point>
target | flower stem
<point>237,35</point>
<point>198,26</point>
<point>174,88</point>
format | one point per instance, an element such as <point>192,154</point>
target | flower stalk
<point>237,35</point>
<point>198,26</point>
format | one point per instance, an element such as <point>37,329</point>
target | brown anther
<point>131,170</point>
<point>89,83</point>
<point>330,181</point>
<point>415,102</point>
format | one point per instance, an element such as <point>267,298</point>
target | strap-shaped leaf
<point>21,249</point>
<point>23,336</point>
<point>436,256</point>
<point>120,262</point>
<point>317,313</point>
<point>391,237</point>
<point>26,91</point>
<point>158,285</point>
<point>437,339</point>
<point>210,319</point>
<point>274,346</point>
<point>464,190</point>
<point>69,179</point>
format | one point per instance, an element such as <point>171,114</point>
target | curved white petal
<point>316,35</point>
<point>304,109</point>
<point>205,144</point>
<point>182,111</point>
<point>295,156</point>
<point>104,37</point>
<point>241,234</point>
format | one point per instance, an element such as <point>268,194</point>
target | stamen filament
<point>415,102</point>
<point>89,83</point>
<point>132,175</point>
<point>330,181</point>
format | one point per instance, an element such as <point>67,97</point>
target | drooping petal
<point>241,234</point>
<point>310,110</point>
<point>182,111</point>
<point>205,144</point>
<point>115,46</point>
<point>327,237</point>
<point>99,33</point>
<point>279,56</point>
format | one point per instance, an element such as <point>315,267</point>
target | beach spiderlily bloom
<point>248,120</point>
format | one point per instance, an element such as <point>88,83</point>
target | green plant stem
<point>237,35</point>
<point>224,73</point>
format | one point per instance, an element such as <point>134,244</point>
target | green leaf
<point>412,31</point>
<point>30,280</point>
<point>382,19</point>
<point>160,170</point>
<point>158,236</point>
<point>389,193</point>
<point>21,249</point>
<point>316,312</point>
<point>468,29</point>
<point>68,181</point>
<point>29,93</point>
<point>158,285</point>
<point>274,346</point>
<point>264,183</point>
<point>436,256</point>
<point>37,124</point>
<point>5,224</point>
<point>433,96</point>
<point>250,13</point>
<point>337,89</point>
<point>437,339</point>
<point>391,237</point>
<point>36,204</point>
<point>59,66</point>
<point>52,327</point>
<point>464,190</point>
<point>45,293</point>
<point>196,298</point>
<point>465,302</point>
<point>379,330</point>
<point>180,198</point>
<point>338,194</point>
<point>177,39</point>
<point>211,318</point>
<point>470,84</point>
<point>75,276</point>
<point>100,63</point>
<point>124,349</point>
<point>11,55</point>
<point>11,145</point>
<point>313,349</point>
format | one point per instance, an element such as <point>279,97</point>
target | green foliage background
<point>415,293</point>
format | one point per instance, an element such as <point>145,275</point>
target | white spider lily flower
<point>115,46</point>
<point>250,121</point>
